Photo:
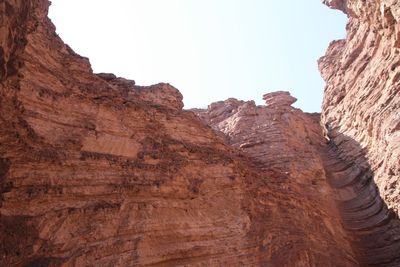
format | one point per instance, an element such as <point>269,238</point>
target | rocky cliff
<point>362,97</point>
<point>361,116</point>
<point>360,120</point>
<point>98,171</point>
<point>285,140</point>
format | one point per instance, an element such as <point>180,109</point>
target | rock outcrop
<point>280,138</point>
<point>98,171</point>
<point>362,95</point>
<point>162,94</point>
<point>279,99</point>
<point>284,139</point>
<point>361,118</point>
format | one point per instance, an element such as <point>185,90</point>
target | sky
<point>210,50</point>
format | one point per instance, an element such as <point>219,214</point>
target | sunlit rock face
<point>283,139</point>
<point>361,116</point>
<point>97,171</point>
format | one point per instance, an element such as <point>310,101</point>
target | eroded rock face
<point>362,97</point>
<point>361,118</point>
<point>281,138</point>
<point>162,94</point>
<point>97,171</point>
<point>279,99</point>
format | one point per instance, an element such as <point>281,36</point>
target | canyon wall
<point>287,141</point>
<point>360,120</point>
<point>97,171</point>
<point>362,96</point>
<point>361,117</point>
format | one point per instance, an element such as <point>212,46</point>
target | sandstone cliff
<point>280,138</point>
<point>360,120</point>
<point>361,117</point>
<point>98,171</point>
<point>362,96</point>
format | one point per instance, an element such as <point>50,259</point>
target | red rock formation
<point>279,99</point>
<point>362,96</point>
<point>361,118</point>
<point>96,171</point>
<point>284,139</point>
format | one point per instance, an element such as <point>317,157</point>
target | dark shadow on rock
<point>374,229</point>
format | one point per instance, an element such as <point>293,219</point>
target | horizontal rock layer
<point>280,138</point>
<point>374,228</point>
<point>361,118</point>
<point>97,171</point>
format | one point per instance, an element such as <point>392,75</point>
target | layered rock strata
<point>362,96</point>
<point>362,120</point>
<point>372,226</point>
<point>97,171</point>
<point>288,141</point>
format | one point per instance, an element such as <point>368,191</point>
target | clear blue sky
<point>209,49</point>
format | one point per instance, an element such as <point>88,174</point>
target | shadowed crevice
<point>373,228</point>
